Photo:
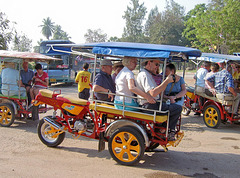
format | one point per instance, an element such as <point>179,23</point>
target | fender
<point>12,103</point>
<point>216,104</point>
<point>121,123</point>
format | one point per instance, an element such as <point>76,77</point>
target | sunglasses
<point>156,64</point>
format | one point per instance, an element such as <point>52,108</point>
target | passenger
<point>200,81</point>
<point>126,86</point>
<point>27,76</point>
<point>104,82</point>
<point>40,81</point>
<point>148,85</point>
<point>214,69</point>
<point>200,75</point>
<point>223,83</point>
<point>83,80</point>
<point>158,77</point>
<point>236,77</point>
<point>175,91</point>
<point>11,81</point>
<point>117,67</point>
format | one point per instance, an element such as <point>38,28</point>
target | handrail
<point>134,107</point>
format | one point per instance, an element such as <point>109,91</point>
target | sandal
<point>171,136</point>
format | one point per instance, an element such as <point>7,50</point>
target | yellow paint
<point>190,95</point>
<point>73,109</point>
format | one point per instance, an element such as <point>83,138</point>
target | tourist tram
<point>16,107</point>
<point>128,133</point>
<point>215,109</point>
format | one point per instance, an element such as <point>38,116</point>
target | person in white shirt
<point>126,86</point>
<point>200,76</point>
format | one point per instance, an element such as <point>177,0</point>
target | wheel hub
<point>124,147</point>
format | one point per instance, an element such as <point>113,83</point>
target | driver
<point>148,85</point>
<point>27,76</point>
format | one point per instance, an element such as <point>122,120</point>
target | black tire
<point>7,114</point>
<point>212,116</point>
<point>119,146</point>
<point>49,139</point>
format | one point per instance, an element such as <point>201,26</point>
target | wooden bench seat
<point>112,110</point>
<point>225,99</point>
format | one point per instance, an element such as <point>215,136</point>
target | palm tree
<point>47,27</point>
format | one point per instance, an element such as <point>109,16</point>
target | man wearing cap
<point>104,83</point>
<point>147,84</point>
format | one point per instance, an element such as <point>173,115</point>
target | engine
<point>80,126</point>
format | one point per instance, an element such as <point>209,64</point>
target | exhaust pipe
<point>52,123</point>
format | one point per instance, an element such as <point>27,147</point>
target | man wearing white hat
<point>147,84</point>
<point>104,83</point>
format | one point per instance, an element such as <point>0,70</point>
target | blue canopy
<point>212,57</point>
<point>139,50</point>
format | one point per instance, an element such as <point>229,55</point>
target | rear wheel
<point>7,115</point>
<point>126,146</point>
<point>212,116</point>
<point>49,135</point>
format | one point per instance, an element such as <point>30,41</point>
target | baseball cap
<point>106,62</point>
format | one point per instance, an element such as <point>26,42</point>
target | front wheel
<point>7,115</point>
<point>49,135</point>
<point>126,146</point>
<point>212,116</point>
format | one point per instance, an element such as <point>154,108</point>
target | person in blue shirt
<point>175,91</point>
<point>27,76</point>
<point>104,83</point>
<point>223,83</point>
<point>11,81</point>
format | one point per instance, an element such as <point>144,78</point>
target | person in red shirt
<point>40,81</point>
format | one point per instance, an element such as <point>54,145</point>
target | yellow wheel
<point>7,115</point>
<point>49,135</point>
<point>126,146</point>
<point>212,116</point>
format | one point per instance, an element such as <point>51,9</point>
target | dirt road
<point>203,152</point>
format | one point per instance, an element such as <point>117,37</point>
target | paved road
<point>203,152</point>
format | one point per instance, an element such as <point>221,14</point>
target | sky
<point>76,16</point>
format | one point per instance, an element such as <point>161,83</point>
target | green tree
<point>114,39</point>
<point>167,27</point>
<point>193,18</point>
<point>134,16</point>
<point>153,14</point>
<point>47,27</point>
<point>36,49</point>
<point>22,43</point>
<point>95,36</point>
<point>59,34</point>
<point>215,27</point>
<point>6,31</point>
